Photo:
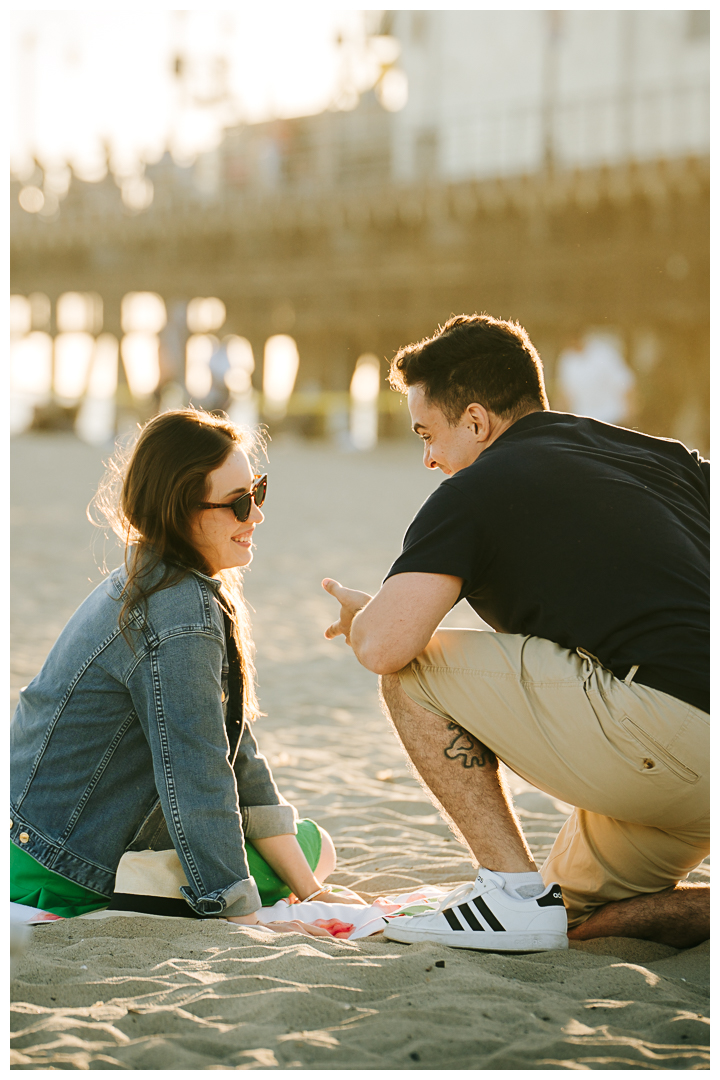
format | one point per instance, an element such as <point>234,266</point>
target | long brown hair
<point>149,496</point>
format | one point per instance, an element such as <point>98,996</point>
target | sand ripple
<point>174,994</point>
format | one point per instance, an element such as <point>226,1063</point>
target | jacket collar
<point>213,583</point>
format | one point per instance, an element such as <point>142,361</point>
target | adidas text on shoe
<point>483,915</point>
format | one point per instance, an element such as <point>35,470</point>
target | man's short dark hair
<point>474,358</point>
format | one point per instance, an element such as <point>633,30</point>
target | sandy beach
<point>149,993</point>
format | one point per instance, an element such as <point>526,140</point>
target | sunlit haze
<point>142,82</point>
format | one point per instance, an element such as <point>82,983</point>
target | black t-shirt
<point>585,534</point>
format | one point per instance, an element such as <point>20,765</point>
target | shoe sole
<point>484,942</point>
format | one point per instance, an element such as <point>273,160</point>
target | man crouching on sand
<point>585,546</point>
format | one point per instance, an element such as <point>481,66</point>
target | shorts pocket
<point>658,752</point>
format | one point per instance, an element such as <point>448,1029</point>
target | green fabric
<point>33,884</point>
<point>270,886</point>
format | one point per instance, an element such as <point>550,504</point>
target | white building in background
<point>494,93</point>
<point>594,380</point>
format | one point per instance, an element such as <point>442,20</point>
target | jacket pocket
<point>658,752</point>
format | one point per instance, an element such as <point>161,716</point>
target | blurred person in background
<point>170,392</point>
<point>586,547</point>
<point>218,397</point>
<point>594,380</point>
<point>136,778</point>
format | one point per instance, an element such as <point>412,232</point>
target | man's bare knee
<point>392,693</point>
<point>399,707</point>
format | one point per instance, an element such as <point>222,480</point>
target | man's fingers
<point>341,593</point>
<point>351,601</point>
<point>333,587</point>
<point>353,598</point>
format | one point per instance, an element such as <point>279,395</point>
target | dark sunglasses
<point>241,507</point>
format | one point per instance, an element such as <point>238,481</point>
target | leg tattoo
<point>475,802</point>
<point>467,749</point>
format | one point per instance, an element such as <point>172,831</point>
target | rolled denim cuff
<point>259,822</point>
<point>242,898</point>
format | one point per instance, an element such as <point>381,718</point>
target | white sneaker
<point>483,915</point>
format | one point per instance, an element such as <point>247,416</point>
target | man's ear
<point>478,419</point>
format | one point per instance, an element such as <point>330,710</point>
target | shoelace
<point>464,890</point>
<point>457,894</point>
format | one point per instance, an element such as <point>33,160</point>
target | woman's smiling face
<point>217,535</point>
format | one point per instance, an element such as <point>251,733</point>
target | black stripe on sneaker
<point>470,917</point>
<point>487,914</point>
<point>553,898</point>
<point>453,919</point>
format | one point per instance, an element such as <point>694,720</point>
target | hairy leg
<point>679,916</point>
<point>464,781</point>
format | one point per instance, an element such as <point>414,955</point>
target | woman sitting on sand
<point>135,741</point>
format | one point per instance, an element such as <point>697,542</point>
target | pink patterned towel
<point>361,920</point>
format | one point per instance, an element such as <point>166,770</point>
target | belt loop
<point>587,660</point>
<point>631,674</point>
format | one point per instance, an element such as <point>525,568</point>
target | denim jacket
<point>121,745</point>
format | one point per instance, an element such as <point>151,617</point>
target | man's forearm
<point>388,630</point>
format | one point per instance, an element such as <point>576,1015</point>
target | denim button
<point>11,823</point>
<point>23,838</point>
<point>204,905</point>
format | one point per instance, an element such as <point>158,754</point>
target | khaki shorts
<point>632,760</point>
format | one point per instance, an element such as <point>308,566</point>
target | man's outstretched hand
<point>351,601</point>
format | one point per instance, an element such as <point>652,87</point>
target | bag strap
<point>234,715</point>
